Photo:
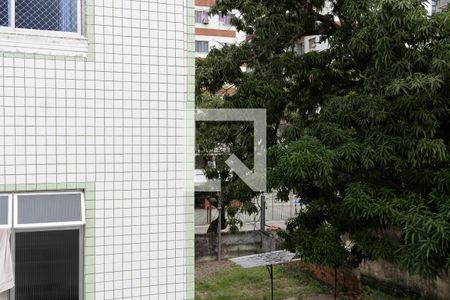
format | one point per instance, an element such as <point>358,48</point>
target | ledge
<point>43,42</point>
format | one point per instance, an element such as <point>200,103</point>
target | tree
<point>222,140</point>
<point>368,135</point>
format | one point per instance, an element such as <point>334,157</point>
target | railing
<point>275,211</point>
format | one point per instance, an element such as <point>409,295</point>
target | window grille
<point>4,12</point>
<point>47,265</point>
<point>202,46</point>
<point>52,15</point>
<point>47,243</point>
<point>226,19</point>
<point>198,16</point>
<point>201,16</point>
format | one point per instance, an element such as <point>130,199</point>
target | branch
<point>349,177</point>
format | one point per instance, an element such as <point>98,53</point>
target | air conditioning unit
<point>205,21</point>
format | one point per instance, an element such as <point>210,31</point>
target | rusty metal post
<point>263,213</point>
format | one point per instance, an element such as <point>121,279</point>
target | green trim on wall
<point>190,138</point>
<point>89,13</point>
<point>89,228</point>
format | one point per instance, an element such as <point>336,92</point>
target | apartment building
<point>310,43</point>
<point>213,31</point>
<point>438,5</point>
<point>96,123</point>
<point>313,42</point>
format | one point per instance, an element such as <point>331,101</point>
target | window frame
<point>312,43</point>
<point>204,17</point>
<point>205,43</point>
<point>198,16</point>
<point>13,29</point>
<point>16,225</point>
<point>226,20</point>
<point>54,226</point>
<point>9,224</point>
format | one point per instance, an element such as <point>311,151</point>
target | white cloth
<point>6,269</point>
<point>4,296</point>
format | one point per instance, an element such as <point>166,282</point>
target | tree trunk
<point>335,283</point>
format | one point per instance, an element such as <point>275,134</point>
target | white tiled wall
<point>116,119</point>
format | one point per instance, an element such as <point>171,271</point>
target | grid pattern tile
<point>117,119</point>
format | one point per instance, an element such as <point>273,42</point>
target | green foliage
<point>360,130</point>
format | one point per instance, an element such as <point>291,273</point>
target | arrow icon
<point>256,179</point>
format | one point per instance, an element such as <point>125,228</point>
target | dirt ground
<point>204,270</point>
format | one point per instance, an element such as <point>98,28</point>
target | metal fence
<point>275,211</point>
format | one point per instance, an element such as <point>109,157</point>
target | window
<point>226,19</point>
<point>202,46</point>
<point>45,27</point>
<point>47,265</point>
<point>47,244</point>
<point>5,211</point>
<point>312,43</point>
<point>201,16</point>
<point>300,48</point>
<point>48,210</point>
<point>4,13</point>
<point>51,15</point>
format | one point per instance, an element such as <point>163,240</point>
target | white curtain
<point>68,15</point>
<point>6,269</point>
<point>4,296</point>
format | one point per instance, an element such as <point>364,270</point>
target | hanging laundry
<point>6,268</point>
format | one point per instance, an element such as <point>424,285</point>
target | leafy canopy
<point>360,130</point>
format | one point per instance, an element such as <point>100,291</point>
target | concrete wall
<point>348,280</point>
<point>391,277</point>
<point>234,244</point>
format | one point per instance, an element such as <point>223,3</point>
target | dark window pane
<point>56,15</point>
<point>47,265</point>
<point>198,16</point>
<point>3,210</point>
<point>4,12</point>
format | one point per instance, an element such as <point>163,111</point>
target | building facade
<point>96,129</point>
<point>313,42</point>
<point>438,5</point>
<point>213,31</point>
<point>310,43</point>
